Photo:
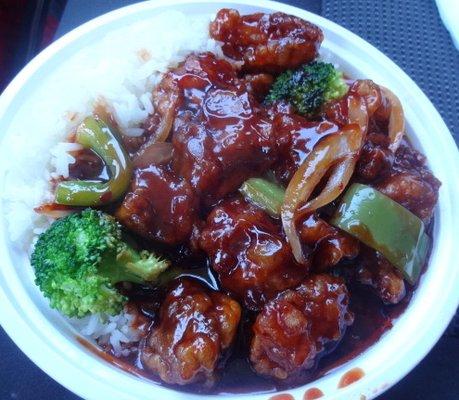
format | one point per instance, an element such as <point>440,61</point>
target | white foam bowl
<point>50,342</point>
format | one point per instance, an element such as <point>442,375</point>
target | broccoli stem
<point>129,265</point>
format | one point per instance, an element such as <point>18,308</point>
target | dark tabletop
<point>408,31</point>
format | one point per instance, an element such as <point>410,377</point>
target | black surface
<point>411,33</point>
<point>79,11</point>
<point>20,379</point>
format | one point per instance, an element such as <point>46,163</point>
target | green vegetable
<point>309,87</point>
<point>267,195</point>
<point>95,134</point>
<point>80,257</point>
<point>385,226</point>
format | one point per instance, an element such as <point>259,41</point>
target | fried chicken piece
<point>413,192</point>
<point>329,245</point>
<point>403,177</point>
<point>374,270</point>
<point>159,206</point>
<point>294,330</point>
<point>376,159</point>
<point>268,43</point>
<point>195,331</point>
<point>249,252</point>
<point>220,133</point>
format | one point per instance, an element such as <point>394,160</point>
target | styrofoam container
<point>50,342</point>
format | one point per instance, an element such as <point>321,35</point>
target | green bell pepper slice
<point>385,226</point>
<point>95,134</point>
<point>267,195</point>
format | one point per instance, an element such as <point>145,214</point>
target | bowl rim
<point>30,332</point>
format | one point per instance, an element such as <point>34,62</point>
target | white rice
<point>120,69</point>
<point>115,331</point>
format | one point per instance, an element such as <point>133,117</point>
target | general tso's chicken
<point>376,159</point>
<point>295,139</point>
<point>230,143</point>
<point>258,272</point>
<point>195,331</point>
<point>329,245</point>
<point>266,42</point>
<point>159,205</point>
<point>402,176</point>
<point>374,270</point>
<point>411,184</point>
<point>292,331</point>
<point>411,191</point>
<point>249,253</point>
<point>221,135</point>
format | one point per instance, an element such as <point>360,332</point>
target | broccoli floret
<point>309,87</point>
<point>80,257</point>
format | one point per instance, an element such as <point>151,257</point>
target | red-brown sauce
<point>312,394</point>
<point>88,165</point>
<point>372,319</point>
<point>282,397</point>
<point>125,365</point>
<point>350,377</point>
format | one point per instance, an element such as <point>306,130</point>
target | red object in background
<point>26,26</point>
<point>50,29</point>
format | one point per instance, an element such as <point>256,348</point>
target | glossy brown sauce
<point>223,135</point>
<point>372,319</point>
<point>88,166</point>
<point>218,122</point>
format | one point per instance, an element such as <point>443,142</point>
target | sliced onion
<point>358,112</point>
<point>337,181</point>
<point>370,92</point>
<point>154,154</point>
<point>335,155</point>
<point>396,128</point>
<point>165,106</point>
<point>165,126</point>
